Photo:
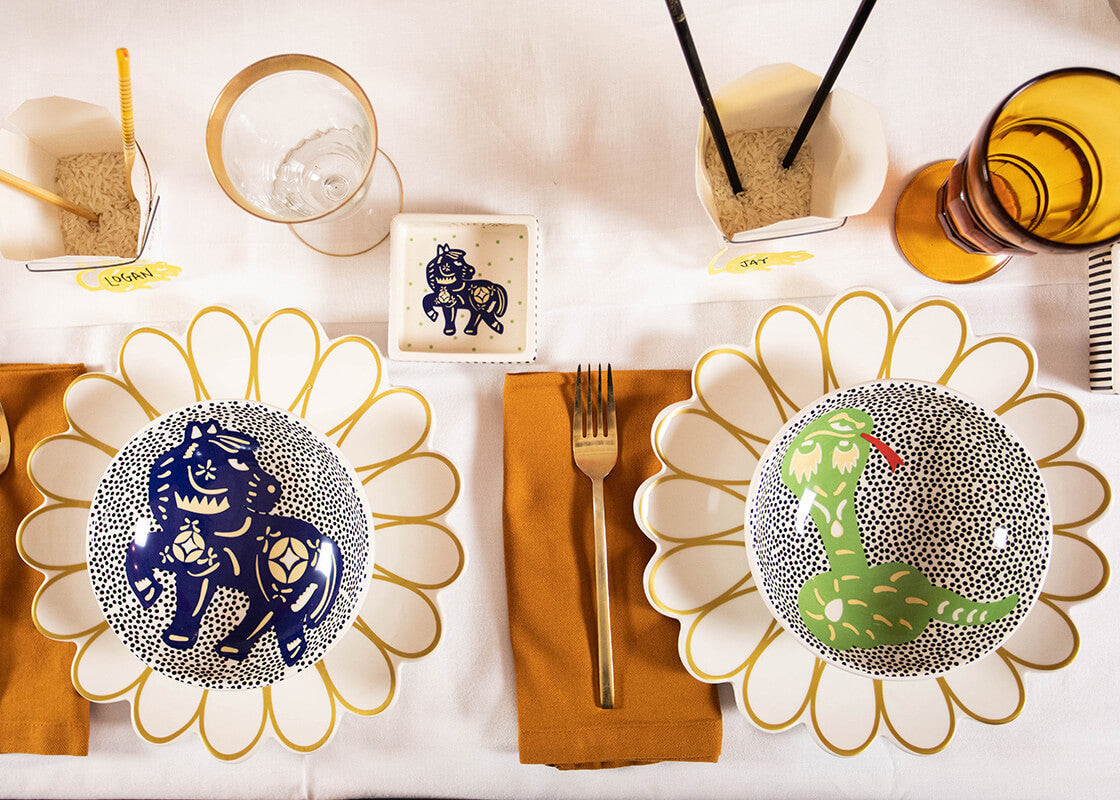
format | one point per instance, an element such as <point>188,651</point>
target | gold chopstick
<point>48,197</point>
<point>128,135</point>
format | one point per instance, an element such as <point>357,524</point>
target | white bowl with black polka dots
<point>240,542</point>
<point>955,539</point>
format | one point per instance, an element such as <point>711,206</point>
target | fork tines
<point>599,419</point>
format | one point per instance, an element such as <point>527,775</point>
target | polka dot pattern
<point>968,509</point>
<point>316,485</point>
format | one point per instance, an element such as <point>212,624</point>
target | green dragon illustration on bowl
<point>855,604</point>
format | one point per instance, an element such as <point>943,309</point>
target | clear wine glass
<point>293,139</point>
<point>1041,176</point>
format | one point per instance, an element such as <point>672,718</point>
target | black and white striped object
<point>1102,328</point>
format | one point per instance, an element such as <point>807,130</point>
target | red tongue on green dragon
<point>894,461</point>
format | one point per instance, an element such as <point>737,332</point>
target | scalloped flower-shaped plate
<point>694,511</point>
<point>339,388</point>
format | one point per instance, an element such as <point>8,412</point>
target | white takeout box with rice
<point>849,147</point>
<point>32,140</point>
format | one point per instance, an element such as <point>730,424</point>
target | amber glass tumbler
<point>1042,176</point>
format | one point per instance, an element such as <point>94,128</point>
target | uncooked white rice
<point>770,193</point>
<point>97,181</point>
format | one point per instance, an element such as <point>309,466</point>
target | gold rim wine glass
<point>1042,176</point>
<point>293,139</point>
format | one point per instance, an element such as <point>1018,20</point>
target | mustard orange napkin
<point>40,712</point>
<point>661,712</point>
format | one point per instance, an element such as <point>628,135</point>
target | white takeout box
<point>847,139</point>
<point>32,140</point>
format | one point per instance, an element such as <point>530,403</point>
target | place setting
<point>756,511</point>
<point>255,529</point>
<point>269,475</point>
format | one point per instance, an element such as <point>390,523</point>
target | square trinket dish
<point>463,288</point>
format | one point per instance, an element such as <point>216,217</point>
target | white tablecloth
<point>585,117</point>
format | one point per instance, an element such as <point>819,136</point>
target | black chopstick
<point>701,83</point>
<point>862,13</point>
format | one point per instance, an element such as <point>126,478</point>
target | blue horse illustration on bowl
<point>451,280</point>
<point>212,501</point>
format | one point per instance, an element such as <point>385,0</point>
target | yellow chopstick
<point>49,197</point>
<point>124,73</point>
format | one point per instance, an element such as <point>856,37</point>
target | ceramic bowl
<point>229,544</point>
<point>898,529</point>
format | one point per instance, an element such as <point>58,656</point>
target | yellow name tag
<point>126,278</point>
<point>758,262</point>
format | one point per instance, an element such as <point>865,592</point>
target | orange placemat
<point>661,712</point>
<point>40,711</point>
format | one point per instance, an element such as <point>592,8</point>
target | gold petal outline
<point>709,677</point>
<point>54,574</point>
<point>50,581</point>
<point>699,396</point>
<point>270,713</point>
<point>45,508</point>
<point>727,427</point>
<point>810,696</point>
<point>934,302</point>
<point>1074,648</point>
<point>772,633</point>
<point>101,376</point>
<point>324,672</point>
<point>988,341</point>
<point>101,630</point>
<point>243,751</point>
<point>149,409</point>
<point>351,422</point>
<point>1069,401</point>
<point>769,377</point>
<point>814,685</point>
<point>347,421</point>
<point>61,437</point>
<point>254,369</point>
<point>662,479</point>
<point>659,559</point>
<point>827,350</point>
<point>388,465</point>
<point>414,584</point>
<point>138,722</point>
<point>364,626</point>
<point>1106,492</point>
<point>1105,570</point>
<point>951,728</point>
<point>1005,656</point>
<point>248,340</point>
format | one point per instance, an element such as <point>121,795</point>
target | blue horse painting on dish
<point>451,280</point>
<point>212,501</point>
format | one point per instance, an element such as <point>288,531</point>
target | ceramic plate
<point>694,511</point>
<point>897,529</point>
<point>336,602</point>
<point>463,287</point>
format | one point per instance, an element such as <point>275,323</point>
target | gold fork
<point>595,450</point>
